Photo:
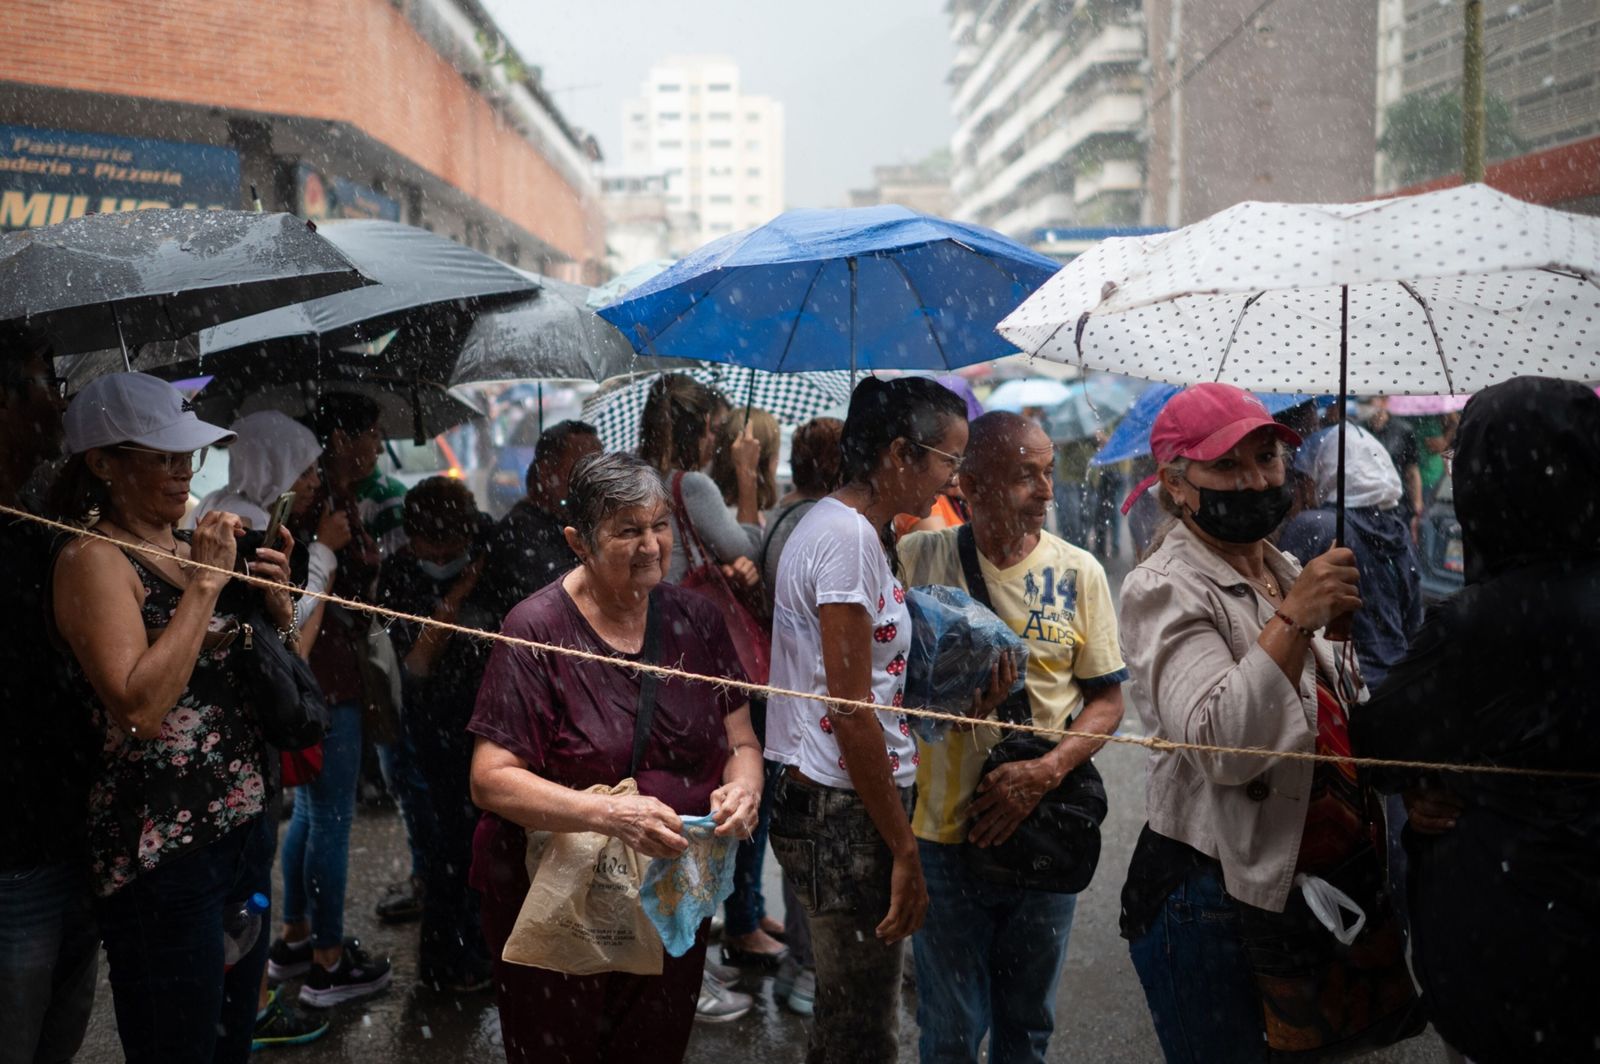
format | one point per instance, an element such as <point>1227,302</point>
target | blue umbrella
<point>1131,437</point>
<point>864,287</point>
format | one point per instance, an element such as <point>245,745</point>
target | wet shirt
<point>834,557</point>
<point>48,749</point>
<point>572,720</point>
<point>1059,601</point>
<point>156,799</point>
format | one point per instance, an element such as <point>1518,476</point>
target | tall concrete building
<point>1047,97</point>
<point>1542,59</point>
<point>1258,102</point>
<point>922,186</point>
<point>719,150</point>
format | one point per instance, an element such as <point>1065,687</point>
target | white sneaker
<point>726,974</point>
<point>718,1004</point>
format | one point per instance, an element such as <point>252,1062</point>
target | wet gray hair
<point>602,484</point>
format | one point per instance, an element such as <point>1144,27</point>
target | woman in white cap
<point>176,808</point>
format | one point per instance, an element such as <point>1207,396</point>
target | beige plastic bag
<point>582,914</point>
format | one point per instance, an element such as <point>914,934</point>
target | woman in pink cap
<point>1220,632</point>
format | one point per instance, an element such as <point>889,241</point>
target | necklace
<point>172,550</point>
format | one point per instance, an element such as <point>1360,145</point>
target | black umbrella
<point>551,334</point>
<point>408,409</point>
<point>429,288</point>
<point>115,280</point>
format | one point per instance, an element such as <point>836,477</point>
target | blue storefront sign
<point>50,175</point>
<point>338,197</point>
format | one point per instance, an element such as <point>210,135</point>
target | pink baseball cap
<point>1205,421</point>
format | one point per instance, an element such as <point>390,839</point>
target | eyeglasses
<point>49,382</point>
<point>174,462</point>
<point>953,459</point>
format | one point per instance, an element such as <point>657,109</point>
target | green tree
<point>1422,135</point>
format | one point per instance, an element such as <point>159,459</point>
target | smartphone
<point>275,519</point>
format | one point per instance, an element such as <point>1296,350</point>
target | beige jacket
<point>1189,629</point>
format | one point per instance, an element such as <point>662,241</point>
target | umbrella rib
<point>1228,350</point>
<point>794,329</point>
<point>923,306</point>
<point>685,311</point>
<point>1438,345</point>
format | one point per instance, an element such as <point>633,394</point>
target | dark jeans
<point>1197,979</point>
<point>839,867</point>
<point>48,948</point>
<point>163,936</point>
<point>746,906</point>
<point>452,939</point>
<point>988,962</point>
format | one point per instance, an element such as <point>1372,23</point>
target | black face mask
<point>1241,516</point>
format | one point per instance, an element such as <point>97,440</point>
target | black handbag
<point>280,686</point>
<point>1057,847</point>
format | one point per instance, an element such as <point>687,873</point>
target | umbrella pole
<point>1344,398</point>
<point>851,262</point>
<point>116,319</point>
<point>750,396</point>
<point>541,407</point>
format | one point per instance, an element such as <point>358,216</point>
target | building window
<point>670,116</point>
<point>754,201</point>
<point>720,143</point>
<point>720,116</point>
<point>754,171</point>
<point>675,200</point>
<point>720,86</point>
<point>752,145</point>
<point>669,88</point>
<point>753,116</point>
<point>669,145</point>
<point>716,200</point>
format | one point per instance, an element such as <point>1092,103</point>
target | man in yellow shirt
<point>989,956</point>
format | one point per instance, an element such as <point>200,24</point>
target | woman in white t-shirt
<point>840,820</point>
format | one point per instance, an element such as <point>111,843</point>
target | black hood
<point>1527,475</point>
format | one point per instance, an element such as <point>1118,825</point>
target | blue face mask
<point>441,571</point>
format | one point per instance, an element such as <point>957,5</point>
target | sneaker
<point>802,998</point>
<point>401,902</point>
<point>726,974</point>
<point>288,960</point>
<point>795,987</point>
<point>281,1024</point>
<point>358,975</point>
<point>718,1004</point>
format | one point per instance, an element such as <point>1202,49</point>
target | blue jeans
<point>746,906</point>
<point>402,776</point>
<point>163,934</point>
<point>988,960</point>
<point>48,948</point>
<point>316,848</point>
<point>1197,979</point>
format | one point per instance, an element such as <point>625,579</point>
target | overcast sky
<point>861,81</point>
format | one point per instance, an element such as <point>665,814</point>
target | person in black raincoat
<point>1505,870</point>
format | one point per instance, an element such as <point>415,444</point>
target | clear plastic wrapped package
<point>955,643</point>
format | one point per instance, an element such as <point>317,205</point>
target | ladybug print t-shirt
<point>833,556</point>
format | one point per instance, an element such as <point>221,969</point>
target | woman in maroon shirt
<point>550,725</point>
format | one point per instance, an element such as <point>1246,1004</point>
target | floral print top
<point>200,778</point>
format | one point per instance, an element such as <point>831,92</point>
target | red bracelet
<point>1290,621</point>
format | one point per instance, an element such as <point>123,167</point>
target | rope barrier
<point>843,705</point>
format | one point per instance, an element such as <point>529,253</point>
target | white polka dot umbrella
<point>1446,292</point>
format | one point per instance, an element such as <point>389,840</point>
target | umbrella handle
<point>1338,629</point>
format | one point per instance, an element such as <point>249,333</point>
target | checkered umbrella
<point>792,398</point>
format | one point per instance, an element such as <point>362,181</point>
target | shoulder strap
<point>777,523</point>
<point>647,686</point>
<point>686,532</point>
<point>1015,709</point>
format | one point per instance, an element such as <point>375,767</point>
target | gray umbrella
<point>552,334</point>
<point>109,280</point>
<point>408,409</point>
<point>429,287</point>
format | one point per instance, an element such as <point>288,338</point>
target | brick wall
<point>354,61</point>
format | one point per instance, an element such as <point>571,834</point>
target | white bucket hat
<point>139,409</point>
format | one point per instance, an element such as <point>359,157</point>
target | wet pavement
<point>1100,1009</point>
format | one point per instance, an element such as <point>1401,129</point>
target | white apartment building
<point>1048,101</point>
<point>719,150</point>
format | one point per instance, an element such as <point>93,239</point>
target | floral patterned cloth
<point>200,778</point>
